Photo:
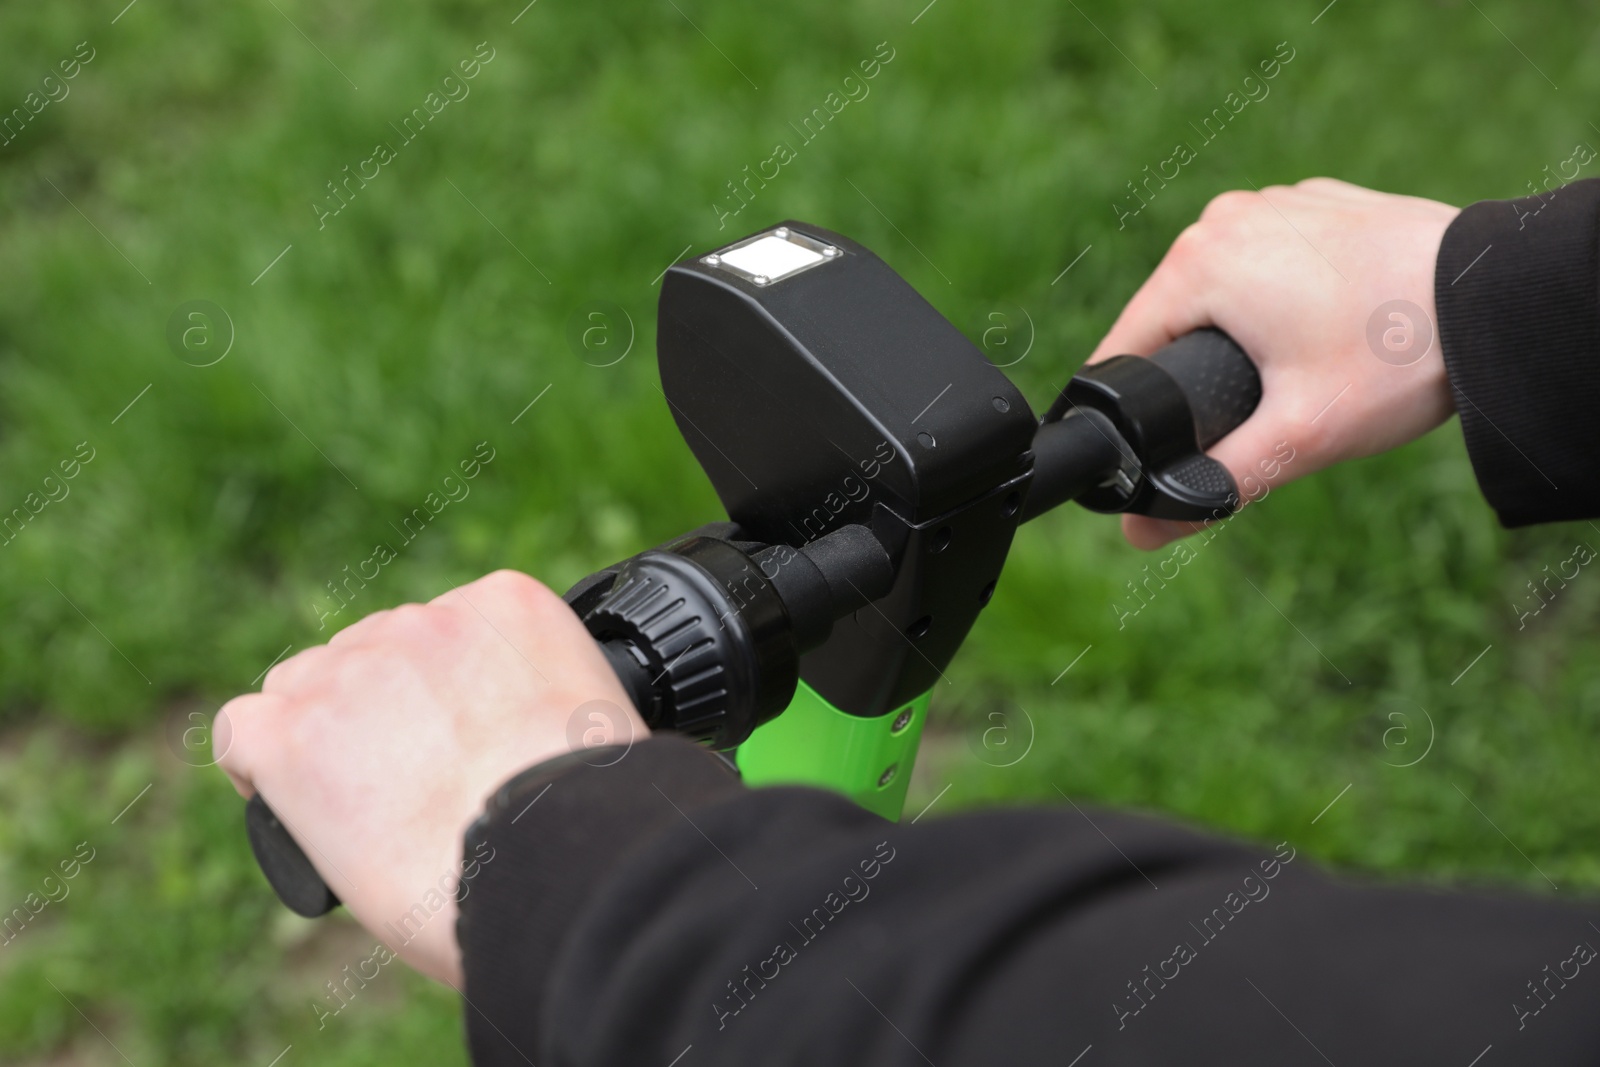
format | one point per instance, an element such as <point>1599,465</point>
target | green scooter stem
<point>813,743</point>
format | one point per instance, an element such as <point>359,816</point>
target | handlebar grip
<point>1218,379</point>
<point>1160,414</point>
<point>281,859</point>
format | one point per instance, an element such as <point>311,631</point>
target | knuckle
<point>409,618</point>
<point>295,669</point>
<point>409,612</point>
<point>518,588</point>
<point>358,629</point>
<point>1319,182</point>
<point>507,580</point>
<point>411,628</point>
<point>1193,243</point>
<point>1228,205</point>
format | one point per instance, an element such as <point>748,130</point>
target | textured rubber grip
<point>1217,378</point>
<point>281,859</point>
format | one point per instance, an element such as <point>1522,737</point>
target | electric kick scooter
<point>874,467</point>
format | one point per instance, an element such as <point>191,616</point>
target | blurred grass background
<point>194,547</point>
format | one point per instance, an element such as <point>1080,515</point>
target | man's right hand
<point>1298,276</point>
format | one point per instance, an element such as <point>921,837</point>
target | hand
<point>382,746</point>
<point>1294,274</point>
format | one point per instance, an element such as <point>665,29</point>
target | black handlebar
<point>281,859</point>
<point>1216,377</point>
<point>1127,434</point>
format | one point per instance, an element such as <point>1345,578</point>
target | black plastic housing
<point>837,396</point>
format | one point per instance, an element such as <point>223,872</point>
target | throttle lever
<point>1168,409</point>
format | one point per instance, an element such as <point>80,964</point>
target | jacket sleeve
<point>1517,288</point>
<point>653,912</point>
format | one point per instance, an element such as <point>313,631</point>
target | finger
<point>1149,534</point>
<point>1261,454</point>
<point>237,740</point>
<point>1168,305</point>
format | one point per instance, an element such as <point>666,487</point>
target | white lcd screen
<point>771,257</point>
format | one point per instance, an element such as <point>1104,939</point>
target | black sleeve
<point>655,912</point>
<point>1517,287</point>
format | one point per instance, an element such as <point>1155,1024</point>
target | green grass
<point>194,546</point>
